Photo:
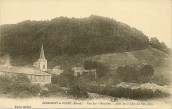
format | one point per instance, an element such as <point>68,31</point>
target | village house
<point>36,74</point>
<point>80,70</point>
<point>57,70</point>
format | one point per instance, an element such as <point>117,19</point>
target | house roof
<point>24,70</point>
<point>78,68</point>
<point>57,67</point>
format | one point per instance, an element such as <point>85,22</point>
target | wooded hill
<point>68,36</point>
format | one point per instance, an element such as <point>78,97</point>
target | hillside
<point>159,61</point>
<point>151,56</point>
<point>68,36</point>
<point>156,58</point>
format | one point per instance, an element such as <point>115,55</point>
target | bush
<point>66,79</point>
<point>5,84</point>
<point>21,78</point>
<point>160,80</point>
<point>53,88</point>
<point>146,73</point>
<point>101,69</point>
<point>19,87</point>
<point>44,93</point>
<point>78,92</point>
<point>35,89</point>
<point>18,90</point>
<point>128,74</point>
<point>134,74</point>
<point>55,79</point>
<point>24,94</point>
<point>128,92</point>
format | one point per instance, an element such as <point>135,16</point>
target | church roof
<point>24,70</point>
<point>42,56</point>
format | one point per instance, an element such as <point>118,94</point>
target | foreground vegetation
<point>78,87</point>
<point>22,88</point>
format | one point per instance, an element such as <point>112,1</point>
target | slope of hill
<point>156,58</point>
<point>71,36</point>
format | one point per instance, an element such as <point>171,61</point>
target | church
<point>41,62</point>
<point>36,74</point>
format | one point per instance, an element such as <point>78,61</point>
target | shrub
<point>78,92</point>
<point>101,69</point>
<point>35,89</point>
<point>146,72</point>
<point>20,83</point>
<point>160,80</point>
<point>66,79</point>
<point>159,93</point>
<point>44,93</point>
<point>19,87</point>
<point>55,79</point>
<point>53,88</point>
<point>5,84</point>
<point>128,92</point>
<point>21,78</point>
<point>24,94</point>
<point>25,90</point>
<point>128,74</point>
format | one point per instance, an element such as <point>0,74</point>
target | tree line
<point>68,36</point>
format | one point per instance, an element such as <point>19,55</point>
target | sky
<point>152,17</point>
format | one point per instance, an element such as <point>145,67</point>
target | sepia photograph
<point>85,54</point>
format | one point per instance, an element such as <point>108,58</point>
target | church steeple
<point>42,62</point>
<point>42,56</point>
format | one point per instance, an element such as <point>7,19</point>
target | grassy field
<point>156,58</point>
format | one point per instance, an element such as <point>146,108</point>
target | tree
<point>101,69</point>
<point>35,89</point>
<point>55,79</point>
<point>20,83</point>
<point>68,36</point>
<point>21,78</point>
<point>53,88</point>
<point>128,74</point>
<point>155,43</point>
<point>146,72</point>
<point>78,91</point>
<point>5,82</point>
<point>120,71</point>
<point>66,79</point>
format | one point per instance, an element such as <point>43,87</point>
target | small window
<point>43,66</point>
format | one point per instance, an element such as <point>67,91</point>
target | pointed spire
<point>42,56</point>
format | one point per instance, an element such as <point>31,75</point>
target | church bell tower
<point>42,62</point>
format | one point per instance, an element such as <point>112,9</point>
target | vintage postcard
<point>85,54</point>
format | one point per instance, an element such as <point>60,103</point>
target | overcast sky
<point>153,17</point>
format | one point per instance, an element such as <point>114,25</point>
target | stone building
<point>80,71</point>
<point>57,70</point>
<point>36,74</point>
